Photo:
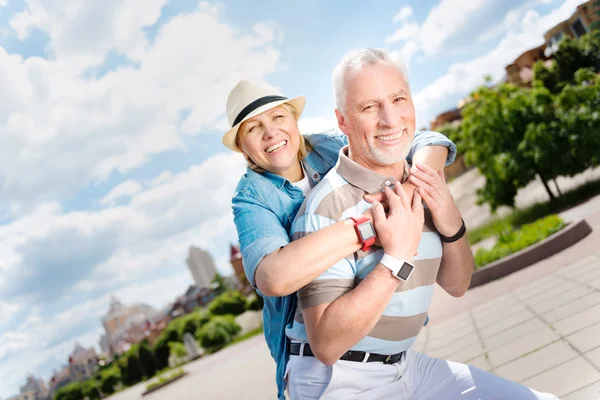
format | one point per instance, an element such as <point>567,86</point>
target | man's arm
<point>456,267</point>
<point>334,327</point>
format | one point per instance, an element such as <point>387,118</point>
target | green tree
<point>221,285</point>
<point>596,24</point>
<point>134,372</point>
<point>90,389</point>
<point>147,360</point>
<point>219,332</point>
<point>161,347</point>
<point>232,302</point>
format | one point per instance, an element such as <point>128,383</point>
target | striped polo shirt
<point>338,197</point>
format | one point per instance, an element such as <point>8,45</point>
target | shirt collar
<point>363,178</point>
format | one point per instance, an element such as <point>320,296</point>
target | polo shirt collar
<point>363,178</point>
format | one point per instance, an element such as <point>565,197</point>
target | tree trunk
<point>557,188</point>
<point>552,196</point>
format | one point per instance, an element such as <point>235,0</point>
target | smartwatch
<point>401,269</point>
<point>365,231</point>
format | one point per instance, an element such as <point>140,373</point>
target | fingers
<point>417,203</point>
<point>442,176</point>
<point>404,197</point>
<point>426,170</point>
<point>394,201</point>
<point>429,200</point>
<point>372,197</point>
<point>378,213</point>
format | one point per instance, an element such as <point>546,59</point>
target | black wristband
<point>457,236</point>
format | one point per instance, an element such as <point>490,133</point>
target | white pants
<point>416,376</point>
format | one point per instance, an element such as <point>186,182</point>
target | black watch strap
<point>457,236</point>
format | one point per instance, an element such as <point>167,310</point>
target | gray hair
<point>356,60</point>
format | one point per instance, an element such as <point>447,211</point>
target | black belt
<point>350,355</point>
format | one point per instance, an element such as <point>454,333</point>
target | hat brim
<point>229,137</point>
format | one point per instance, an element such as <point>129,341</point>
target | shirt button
<point>388,183</point>
<point>315,176</point>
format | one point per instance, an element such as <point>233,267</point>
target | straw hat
<point>248,99</point>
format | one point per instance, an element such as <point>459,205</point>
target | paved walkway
<point>539,326</point>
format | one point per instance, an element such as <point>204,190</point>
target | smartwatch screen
<point>405,271</point>
<point>366,231</point>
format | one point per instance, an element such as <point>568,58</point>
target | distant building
<point>520,71</point>
<point>201,266</point>
<point>104,344</point>
<point>37,387</point>
<point>83,363</point>
<point>125,325</point>
<point>577,25</point>
<point>238,267</point>
<point>23,396</point>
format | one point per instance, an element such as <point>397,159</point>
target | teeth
<point>276,146</point>
<point>390,137</point>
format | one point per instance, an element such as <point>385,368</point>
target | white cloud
<point>404,13</point>
<point>461,78</point>
<point>452,25</point>
<point>64,130</point>
<point>125,189</point>
<point>7,311</point>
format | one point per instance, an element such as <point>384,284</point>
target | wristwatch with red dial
<point>365,231</point>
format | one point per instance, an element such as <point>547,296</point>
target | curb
<point>164,384</point>
<point>553,244</point>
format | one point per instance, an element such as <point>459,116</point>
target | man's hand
<point>400,231</point>
<point>432,186</point>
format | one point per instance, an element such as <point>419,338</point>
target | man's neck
<point>394,170</point>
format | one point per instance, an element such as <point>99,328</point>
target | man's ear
<point>341,121</point>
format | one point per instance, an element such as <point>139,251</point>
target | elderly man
<point>353,333</point>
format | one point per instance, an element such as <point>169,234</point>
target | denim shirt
<point>264,207</point>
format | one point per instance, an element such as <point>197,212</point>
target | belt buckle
<point>388,360</point>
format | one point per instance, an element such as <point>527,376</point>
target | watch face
<point>405,271</point>
<point>366,230</point>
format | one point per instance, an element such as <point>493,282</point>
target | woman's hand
<point>432,187</point>
<point>400,231</point>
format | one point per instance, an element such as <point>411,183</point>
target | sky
<point>111,117</point>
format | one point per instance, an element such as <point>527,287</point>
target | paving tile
<point>506,323</point>
<point>493,317</point>
<point>578,267</point>
<point>443,329</point>
<point>537,287</point>
<point>519,347</point>
<point>481,362</point>
<point>455,346</point>
<point>458,340</point>
<point>579,321</point>
<point>537,362</point>
<point>551,293</point>
<point>466,355</point>
<point>565,378</point>
<point>595,284</point>
<point>594,356</point>
<point>592,274</point>
<point>560,299</point>
<point>496,303</point>
<point>513,333</point>
<point>591,392</point>
<point>571,308</point>
<point>586,339</point>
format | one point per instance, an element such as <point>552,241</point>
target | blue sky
<point>111,164</point>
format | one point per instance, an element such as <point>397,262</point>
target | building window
<point>578,28</point>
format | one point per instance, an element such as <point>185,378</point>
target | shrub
<point>133,370</point>
<point>217,333</point>
<point>178,349</point>
<point>89,389</point>
<point>192,322</point>
<point>254,304</point>
<point>147,360</point>
<point>511,241</point>
<point>161,347</point>
<point>232,302</point>
<point>70,392</point>
<point>109,378</point>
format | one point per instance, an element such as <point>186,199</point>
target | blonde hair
<point>303,148</point>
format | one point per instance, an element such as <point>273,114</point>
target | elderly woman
<point>283,166</point>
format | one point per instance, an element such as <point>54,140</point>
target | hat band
<point>254,105</point>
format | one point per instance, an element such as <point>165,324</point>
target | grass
<point>247,335</point>
<point>532,213</point>
<point>512,241</point>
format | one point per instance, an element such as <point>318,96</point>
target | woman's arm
<point>279,268</point>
